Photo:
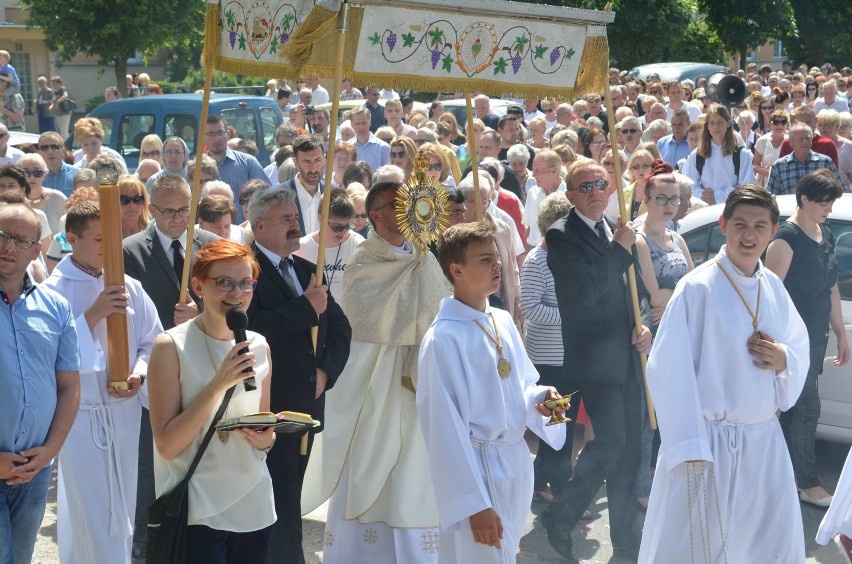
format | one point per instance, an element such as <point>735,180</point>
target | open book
<point>284,422</point>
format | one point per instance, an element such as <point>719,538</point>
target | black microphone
<point>237,321</point>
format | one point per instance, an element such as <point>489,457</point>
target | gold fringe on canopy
<point>297,51</point>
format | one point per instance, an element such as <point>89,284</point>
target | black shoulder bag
<point>168,515</point>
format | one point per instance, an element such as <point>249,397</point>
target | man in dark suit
<point>155,258</point>
<point>589,256</point>
<point>307,185</point>
<point>284,308</point>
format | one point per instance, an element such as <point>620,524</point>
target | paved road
<point>592,544</point>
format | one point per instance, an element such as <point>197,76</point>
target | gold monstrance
<point>422,210</point>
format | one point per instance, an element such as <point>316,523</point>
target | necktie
<point>284,267</point>
<point>599,227</point>
<point>178,258</point>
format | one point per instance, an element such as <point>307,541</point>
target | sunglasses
<point>663,201</point>
<point>397,154</point>
<point>48,147</point>
<point>778,122</point>
<point>38,173</point>
<point>147,154</point>
<point>766,108</point>
<point>360,216</point>
<point>138,199</point>
<point>590,186</point>
<point>629,131</point>
<point>339,228</point>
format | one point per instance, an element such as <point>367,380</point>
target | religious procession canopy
<point>492,46</point>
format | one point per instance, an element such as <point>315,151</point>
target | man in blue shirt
<point>39,383</point>
<point>369,148</point>
<point>377,112</point>
<point>60,175</point>
<point>675,147</point>
<point>235,168</point>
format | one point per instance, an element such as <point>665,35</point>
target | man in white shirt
<point>370,148</point>
<point>309,157</point>
<point>830,99</point>
<point>632,133</point>
<point>675,93</point>
<point>8,154</point>
<point>393,115</point>
<point>319,95</point>
<point>546,167</point>
<point>531,110</point>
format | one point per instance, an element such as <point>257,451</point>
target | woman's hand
<point>231,370</point>
<point>261,440</point>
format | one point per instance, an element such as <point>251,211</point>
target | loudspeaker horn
<point>726,89</point>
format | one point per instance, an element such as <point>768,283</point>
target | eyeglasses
<point>663,201</point>
<point>779,122</point>
<point>21,242</point>
<point>220,133</point>
<point>339,228</point>
<point>138,199</point>
<point>147,154</point>
<point>227,285</point>
<point>397,154</point>
<point>38,173</point>
<point>603,142</point>
<point>631,130</point>
<point>360,216</point>
<point>590,186</point>
<point>391,204</point>
<point>767,108</point>
<point>434,167</point>
<point>48,147</point>
<point>169,214</point>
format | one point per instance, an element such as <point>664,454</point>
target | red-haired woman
<point>231,509</point>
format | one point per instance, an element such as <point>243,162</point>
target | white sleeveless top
<point>231,489</point>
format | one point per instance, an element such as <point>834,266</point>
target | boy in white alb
<point>730,352</point>
<point>476,395</point>
<point>98,464</point>
<point>340,242</point>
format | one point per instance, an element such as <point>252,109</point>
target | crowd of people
<point>426,367</point>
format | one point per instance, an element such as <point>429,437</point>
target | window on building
<point>778,50</point>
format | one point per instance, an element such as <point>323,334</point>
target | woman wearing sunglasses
<point>134,205</point>
<point>48,200</point>
<point>768,147</point>
<point>402,153</point>
<point>664,258</point>
<point>811,93</point>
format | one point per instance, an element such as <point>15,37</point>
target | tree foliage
<point>821,35</point>
<point>741,24</point>
<point>114,30</point>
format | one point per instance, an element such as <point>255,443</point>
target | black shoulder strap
<point>736,157</point>
<point>210,430</point>
<point>699,162</point>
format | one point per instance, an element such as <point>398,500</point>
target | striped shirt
<point>543,338</point>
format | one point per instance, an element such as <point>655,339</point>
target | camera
<point>309,111</point>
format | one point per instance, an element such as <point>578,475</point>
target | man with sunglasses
<point>155,257</point>
<point>8,154</point>
<point>588,255</point>
<point>632,132</point>
<point>285,306</point>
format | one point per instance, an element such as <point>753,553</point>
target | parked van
<point>127,121</point>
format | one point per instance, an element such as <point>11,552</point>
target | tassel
<point>593,73</point>
<point>300,46</point>
<point>211,36</point>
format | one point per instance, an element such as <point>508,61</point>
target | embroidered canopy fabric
<point>492,46</point>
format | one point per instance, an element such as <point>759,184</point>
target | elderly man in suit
<point>307,185</point>
<point>285,307</point>
<point>155,258</point>
<point>589,256</point>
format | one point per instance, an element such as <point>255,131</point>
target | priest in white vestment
<point>371,459</point>
<point>477,394</point>
<point>98,463</point>
<point>724,489</point>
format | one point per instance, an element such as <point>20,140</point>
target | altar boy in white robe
<point>476,394</point>
<point>98,463</point>
<point>730,352</point>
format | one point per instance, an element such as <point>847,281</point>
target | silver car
<point>704,238</point>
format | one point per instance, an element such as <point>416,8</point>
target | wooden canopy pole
<point>631,272</point>
<point>474,160</point>
<point>196,181</point>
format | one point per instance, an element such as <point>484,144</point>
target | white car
<point>704,238</point>
<point>17,138</point>
<point>458,107</point>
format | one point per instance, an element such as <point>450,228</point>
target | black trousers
<point>613,455</point>
<point>210,546</point>
<point>145,492</point>
<point>554,466</point>
<point>287,469</point>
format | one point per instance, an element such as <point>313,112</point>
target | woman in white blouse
<point>718,175</point>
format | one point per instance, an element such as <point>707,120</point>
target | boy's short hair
<point>80,214</point>
<point>752,195</point>
<point>340,206</point>
<point>454,242</point>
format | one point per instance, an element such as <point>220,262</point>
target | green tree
<point>700,43</point>
<point>741,24</point>
<point>114,30</point>
<point>821,35</point>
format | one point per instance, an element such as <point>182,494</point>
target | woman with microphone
<point>192,366</point>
